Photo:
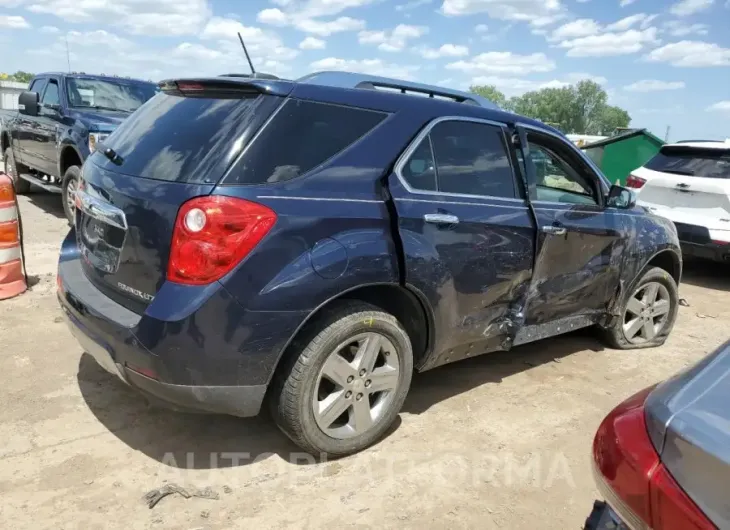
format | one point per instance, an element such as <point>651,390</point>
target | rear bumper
<point>240,401</point>
<point>193,349</point>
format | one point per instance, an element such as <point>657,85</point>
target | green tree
<point>21,77</point>
<point>581,108</point>
<point>491,93</point>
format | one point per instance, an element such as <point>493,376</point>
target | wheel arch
<point>69,156</point>
<point>667,260</point>
<point>405,304</point>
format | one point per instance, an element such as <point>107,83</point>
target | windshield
<point>693,162</point>
<point>101,94</point>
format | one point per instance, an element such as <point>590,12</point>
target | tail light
<point>631,476</point>
<point>212,235</point>
<point>632,181</point>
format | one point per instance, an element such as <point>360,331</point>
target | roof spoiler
<point>226,86</point>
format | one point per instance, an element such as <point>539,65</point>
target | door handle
<point>441,219</point>
<point>555,230</point>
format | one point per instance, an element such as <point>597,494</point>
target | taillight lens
<point>631,476</point>
<point>212,235</point>
<point>632,181</point>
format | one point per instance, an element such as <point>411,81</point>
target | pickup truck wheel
<point>648,312</point>
<point>14,170</point>
<point>68,192</point>
<point>345,382</point>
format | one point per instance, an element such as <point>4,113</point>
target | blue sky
<point>666,61</point>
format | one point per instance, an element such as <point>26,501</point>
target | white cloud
<point>537,12</point>
<point>630,21</point>
<point>624,3</point>
<point>654,85</point>
<point>688,53</point>
<point>13,22</point>
<point>447,50</point>
<point>187,50</point>
<point>310,43</point>
<point>413,4</point>
<point>580,76</point>
<point>261,44</point>
<point>481,28</point>
<point>392,40</point>
<point>161,17</point>
<point>577,28</point>
<point>685,8</point>
<point>504,63</point>
<point>610,43</point>
<point>308,16</point>
<point>722,106</point>
<point>366,66</point>
<point>95,39</point>
<point>49,29</point>
<point>678,28</point>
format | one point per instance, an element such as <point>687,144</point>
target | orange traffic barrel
<point>12,269</point>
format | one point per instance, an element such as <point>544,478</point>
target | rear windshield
<point>301,136</point>
<point>184,139</point>
<point>707,163</point>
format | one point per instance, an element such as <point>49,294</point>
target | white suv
<point>689,183</point>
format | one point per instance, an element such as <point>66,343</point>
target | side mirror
<point>620,197</point>
<point>28,103</point>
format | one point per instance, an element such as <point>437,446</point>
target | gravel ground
<point>498,441</point>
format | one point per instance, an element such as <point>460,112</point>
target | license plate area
<point>101,230</point>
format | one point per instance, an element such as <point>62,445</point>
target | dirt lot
<point>500,441</point>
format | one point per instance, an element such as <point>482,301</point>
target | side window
<point>50,96</point>
<point>303,135</point>
<point>556,179</point>
<point>420,170</point>
<point>37,85</point>
<point>471,158</point>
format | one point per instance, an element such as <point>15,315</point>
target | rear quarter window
<point>694,162</point>
<point>301,136</point>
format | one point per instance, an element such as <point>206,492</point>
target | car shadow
<point>439,384</point>
<point>708,274</point>
<point>207,441</point>
<point>46,201</point>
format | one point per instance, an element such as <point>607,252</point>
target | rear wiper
<point>678,172</point>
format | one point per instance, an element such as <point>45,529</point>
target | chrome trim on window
<point>401,162</point>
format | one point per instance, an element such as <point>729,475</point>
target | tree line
<point>19,77</point>
<point>581,108</point>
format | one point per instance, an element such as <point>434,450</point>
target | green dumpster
<point>619,155</point>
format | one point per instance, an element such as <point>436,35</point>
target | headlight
<point>95,138</point>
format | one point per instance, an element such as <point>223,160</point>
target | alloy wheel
<point>71,195</point>
<point>647,312</point>
<point>356,385</point>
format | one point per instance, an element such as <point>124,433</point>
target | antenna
<point>253,71</point>
<point>68,55</point>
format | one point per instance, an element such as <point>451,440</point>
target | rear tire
<point>68,192</point>
<point>13,169</point>
<point>647,313</point>
<point>341,364</point>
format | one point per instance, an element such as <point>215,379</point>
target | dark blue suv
<point>311,243</point>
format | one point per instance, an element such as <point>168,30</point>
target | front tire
<point>647,314</point>
<point>13,170</point>
<point>346,381</point>
<point>68,191</point>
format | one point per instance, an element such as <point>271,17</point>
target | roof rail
<point>374,82</point>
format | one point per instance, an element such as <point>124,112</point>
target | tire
<point>14,170</point>
<point>70,179</point>
<point>292,397</point>
<point>620,336</point>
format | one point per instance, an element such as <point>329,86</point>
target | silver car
<point>662,457</point>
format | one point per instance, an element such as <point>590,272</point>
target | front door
<point>467,233</point>
<point>49,121</point>
<point>580,241</point>
<point>26,131</point>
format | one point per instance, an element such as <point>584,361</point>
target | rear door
<point>467,233</point>
<point>175,147</point>
<point>690,186</point>
<point>579,240</point>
